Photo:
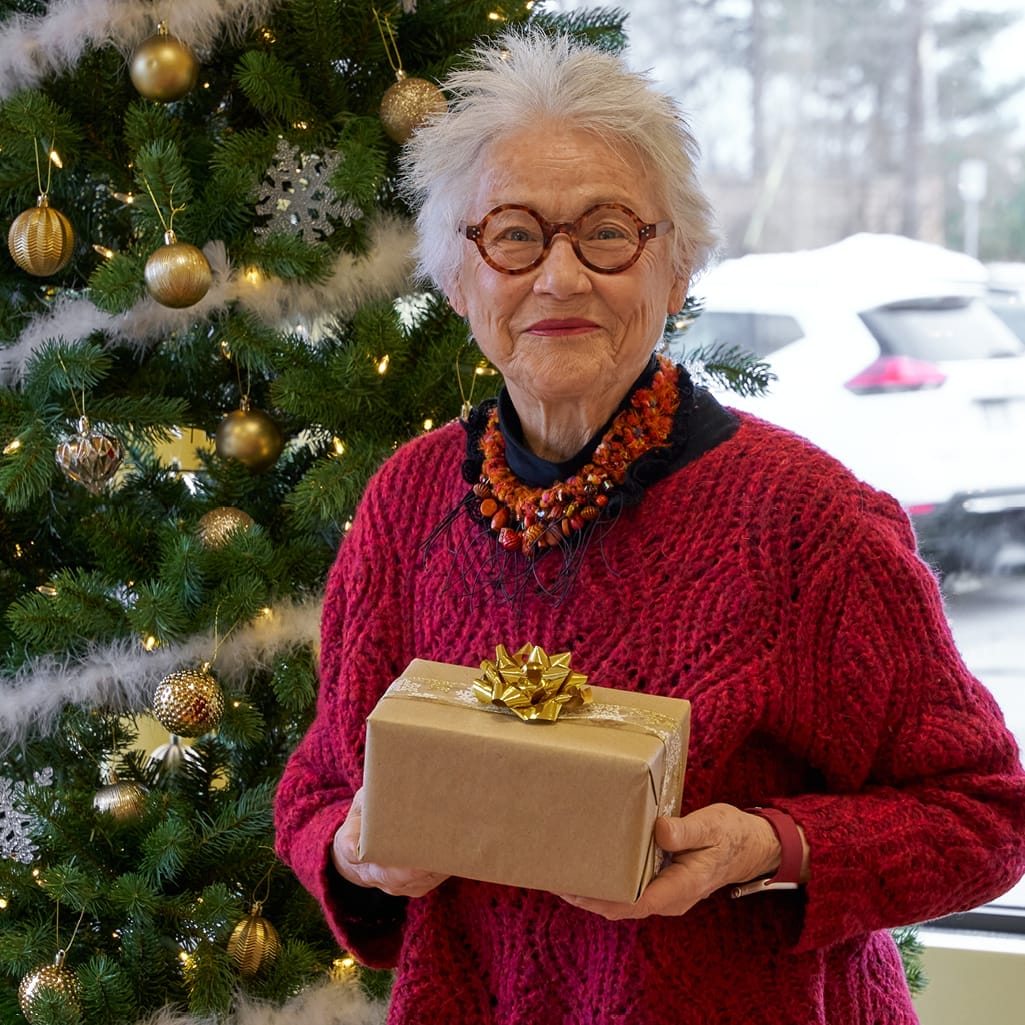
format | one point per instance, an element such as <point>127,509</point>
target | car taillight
<point>894,374</point>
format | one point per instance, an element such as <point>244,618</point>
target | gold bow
<point>534,685</point>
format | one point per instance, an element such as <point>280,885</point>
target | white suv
<point>887,356</point>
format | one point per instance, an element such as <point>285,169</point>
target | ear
<point>678,294</point>
<point>454,294</point>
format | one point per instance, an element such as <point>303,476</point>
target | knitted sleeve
<point>363,648</point>
<point>923,809</point>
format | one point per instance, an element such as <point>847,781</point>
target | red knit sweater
<point>785,600</point>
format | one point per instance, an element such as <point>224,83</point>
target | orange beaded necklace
<point>530,519</point>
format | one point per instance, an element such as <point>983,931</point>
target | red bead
<point>510,539</point>
<point>500,519</point>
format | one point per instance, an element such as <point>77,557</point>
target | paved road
<point>988,621</point>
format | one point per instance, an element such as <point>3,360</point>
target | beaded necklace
<point>531,519</point>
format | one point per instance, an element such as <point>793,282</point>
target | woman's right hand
<point>399,882</point>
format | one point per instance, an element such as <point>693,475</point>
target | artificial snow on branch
<point>383,272</point>
<point>122,676</point>
<point>36,47</point>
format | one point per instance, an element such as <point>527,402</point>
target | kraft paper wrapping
<point>469,790</point>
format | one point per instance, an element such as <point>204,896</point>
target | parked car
<point>1005,294</point>
<point>887,355</point>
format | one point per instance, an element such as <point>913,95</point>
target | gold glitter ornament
<point>177,274</point>
<point>49,979</point>
<point>121,801</point>
<point>89,458</point>
<point>408,104</point>
<point>189,702</point>
<point>254,942</point>
<point>216,527</point>
<point>41,240</point>
<point>250,436</point>
<point>163,68</point>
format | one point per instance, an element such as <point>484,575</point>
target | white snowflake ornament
<point>16,823</point>
<point>299,199</point>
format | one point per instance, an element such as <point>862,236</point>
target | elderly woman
<point>843,762</point>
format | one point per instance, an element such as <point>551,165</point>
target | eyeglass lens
<point>607,238</point>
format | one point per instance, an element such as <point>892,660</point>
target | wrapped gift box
<point>464,788</point>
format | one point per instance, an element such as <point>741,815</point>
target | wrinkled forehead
<point>560,170</point>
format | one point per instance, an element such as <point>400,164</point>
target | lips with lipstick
<point>555,326</point>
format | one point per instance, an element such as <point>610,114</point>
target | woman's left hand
<point>712,847</point>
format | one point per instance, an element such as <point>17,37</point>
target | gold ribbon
<point>531,683</point>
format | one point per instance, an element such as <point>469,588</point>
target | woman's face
<point>562,332</point>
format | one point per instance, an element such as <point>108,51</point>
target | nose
<point>560,272</point>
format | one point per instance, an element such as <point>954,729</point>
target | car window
<point>757,333</point>
<point>941,329</point>
<point>1012,314</point>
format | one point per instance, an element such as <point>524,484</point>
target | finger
<point>404,882</point>
<point>675,834</point>
<point>614,911</point>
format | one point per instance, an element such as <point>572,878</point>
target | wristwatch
<point>788,875</point>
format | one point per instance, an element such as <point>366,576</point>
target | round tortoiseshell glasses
<point>608,238</point>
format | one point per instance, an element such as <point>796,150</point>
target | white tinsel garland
<point>332,1003</point>
<point>33,48</point>
<point>122,676</point>
<point>382,273</point>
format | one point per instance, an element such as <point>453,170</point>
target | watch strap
<point>788,875</point>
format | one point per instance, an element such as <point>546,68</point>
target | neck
<point>558,430</point>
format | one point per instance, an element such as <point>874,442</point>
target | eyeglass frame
<point>646,231</point>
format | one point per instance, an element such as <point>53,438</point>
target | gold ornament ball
<point>89,458</point>
<point>189,702</point>
<point>177,274</point>
<point>216,527</point>
<point>54,978</point>
<point>253,943</point>
<point>121,801</point>
<point>251,437</point>
<point>163,68</point>
<point>408,104</point>
<point>41,240</point>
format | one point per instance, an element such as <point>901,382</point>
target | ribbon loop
<point>534,685</point>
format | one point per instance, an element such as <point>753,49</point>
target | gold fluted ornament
<point>121,801</point>
<point>254,942</point>
<point>216,527</point>
<point>177,274</point>
<point>50,979</point>
<point>163,68</point>
<point>189,702</point>
<point>169,758</point>
<point>41,240</point>
<point>89,457</point>
<point>407,104</point>
<point>250,436</point>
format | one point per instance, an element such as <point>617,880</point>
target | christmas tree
<point>209,342</point>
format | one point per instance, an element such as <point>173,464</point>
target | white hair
<point>523,79</point>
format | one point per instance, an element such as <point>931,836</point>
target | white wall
<point>974,979</point>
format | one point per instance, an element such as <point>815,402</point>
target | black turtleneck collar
<point>536,472</point>
<point>710,424</point>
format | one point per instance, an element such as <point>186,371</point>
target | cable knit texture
<point>785,600</point>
